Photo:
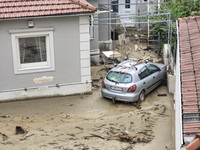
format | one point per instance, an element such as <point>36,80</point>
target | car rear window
<point>119,77</point>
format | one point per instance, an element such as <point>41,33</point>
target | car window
<point>152,68</point>
<point>143,73</point>
<point>119,77</point>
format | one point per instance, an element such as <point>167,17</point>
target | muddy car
<point>131,81</point>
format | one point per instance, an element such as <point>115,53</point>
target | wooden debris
<point>162,95</point>
<point>5,137</point>
<point>94,135</point>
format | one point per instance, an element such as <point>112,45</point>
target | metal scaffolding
<point>145,17</point>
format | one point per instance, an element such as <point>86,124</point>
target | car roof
<point>129,66</point>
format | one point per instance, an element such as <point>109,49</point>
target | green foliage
<point>181,9</point>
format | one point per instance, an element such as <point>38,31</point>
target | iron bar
<point>130,16</point>
<point>153,12</point>
<point>131,23</point>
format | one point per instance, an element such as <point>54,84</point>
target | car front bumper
<point>126,97</point>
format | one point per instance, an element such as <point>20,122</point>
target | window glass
<point>127,4</point>
<point>143,72</point>
<point>152,68</point>
<point>32,49</point>
<point>119,77</point>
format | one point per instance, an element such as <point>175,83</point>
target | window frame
<point>48,65</point>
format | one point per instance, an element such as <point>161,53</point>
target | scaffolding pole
<point>146,15</point>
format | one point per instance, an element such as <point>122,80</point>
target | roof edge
<point>87,6</point>
<point>50,16</point>
<point>189,18</point>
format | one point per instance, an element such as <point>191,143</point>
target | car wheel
<point>142,96</point>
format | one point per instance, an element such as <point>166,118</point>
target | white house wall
<point>126,12</point>
<point>72,62</point>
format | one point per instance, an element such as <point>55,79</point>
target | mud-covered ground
<point>90,122</point>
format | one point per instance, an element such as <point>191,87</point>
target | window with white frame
<point>33,50</point>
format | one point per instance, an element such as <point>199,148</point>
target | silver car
<point>130,81</point>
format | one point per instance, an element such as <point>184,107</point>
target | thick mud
<point>88,122</point>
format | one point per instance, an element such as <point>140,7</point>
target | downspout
<point>177,96</point>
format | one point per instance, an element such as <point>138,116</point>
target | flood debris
<point>20,130</point>
<point>93,135</point>
<point>25,138</point>
<point>82,146</point>
<point>68,105</point>
<point>131,112</point>
<point>95,86</point>
<point>95,80</point>
<point>66,116</point>
<point>4,116</point>
<point>4,137</point>
<point>113,100</point>
<point>137,105</point>
<point>79,128</point>
<point>162,95</point>
<point>126,138</point>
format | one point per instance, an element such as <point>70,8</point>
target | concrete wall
<point>105,30</point>
<point>169,61</point>
<point>71,52</point>
<point>94,42</point>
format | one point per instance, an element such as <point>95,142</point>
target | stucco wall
<point>67,53</point>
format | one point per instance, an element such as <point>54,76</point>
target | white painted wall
<point>126,12</point>
<point>177,97</point>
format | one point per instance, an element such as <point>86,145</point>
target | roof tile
<point>34,8</point>
<point>189,36</point>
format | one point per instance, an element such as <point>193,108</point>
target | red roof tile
<point>189,36</point>
<point>34,8</point>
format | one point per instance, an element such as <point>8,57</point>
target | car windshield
<point>119,77</point>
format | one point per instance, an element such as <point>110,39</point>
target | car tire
<point>142,96</point>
